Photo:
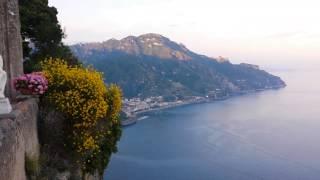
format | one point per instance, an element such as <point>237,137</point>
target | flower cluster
<point>34,83</point>
<point>90,107</point>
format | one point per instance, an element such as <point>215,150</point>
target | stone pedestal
<point>10,43</point>
<point>5,106</point>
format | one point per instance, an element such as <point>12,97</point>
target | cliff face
<point>19,140</point>
<point>20,148</point>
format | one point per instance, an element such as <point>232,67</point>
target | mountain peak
<point>151,35</point>
<point>129,38</point>
<point>152,38</point>
<point>150,44</point>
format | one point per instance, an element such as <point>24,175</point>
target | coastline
<point>133,120</point>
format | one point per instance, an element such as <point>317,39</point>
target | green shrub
<point>91,110</point>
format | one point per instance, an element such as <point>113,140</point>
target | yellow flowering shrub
<point>92,109</point>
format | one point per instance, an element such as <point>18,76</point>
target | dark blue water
<point>265,136</point>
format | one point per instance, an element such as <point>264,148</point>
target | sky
<point>270,33</point>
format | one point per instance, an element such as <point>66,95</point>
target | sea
<point>269,135</point>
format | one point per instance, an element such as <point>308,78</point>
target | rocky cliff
<point>20,147</point>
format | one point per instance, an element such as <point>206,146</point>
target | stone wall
<point>18,140</point>
<point>10,42</point>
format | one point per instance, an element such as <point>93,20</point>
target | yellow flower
<point>81,95</point>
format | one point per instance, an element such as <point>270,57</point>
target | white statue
<point>5,106</point>
<point>3,78</point>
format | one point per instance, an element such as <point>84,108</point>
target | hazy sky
<point>265,32</point>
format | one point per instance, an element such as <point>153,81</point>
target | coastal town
<point>134,107</point>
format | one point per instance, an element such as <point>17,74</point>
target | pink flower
<point>35,82</point>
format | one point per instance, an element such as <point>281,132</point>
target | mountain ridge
<point>151,65</point>
<point>144,45</point>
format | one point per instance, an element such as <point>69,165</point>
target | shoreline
<point>133,120</point>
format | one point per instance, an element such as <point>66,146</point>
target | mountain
<point>153,65</point>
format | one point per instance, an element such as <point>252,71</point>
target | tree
<point>41,34</point>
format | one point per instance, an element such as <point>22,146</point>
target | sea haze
<point>268,135</point>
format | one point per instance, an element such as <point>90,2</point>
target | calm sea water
<point>269,135</point>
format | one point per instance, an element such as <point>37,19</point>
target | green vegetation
<point>170,69</point>
<point>32,167</point>
<point>42,34</point>
<point>92,126</point>
<point>79,115</point>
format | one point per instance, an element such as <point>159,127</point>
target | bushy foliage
<point>92,110</point>
<point>41,34</point>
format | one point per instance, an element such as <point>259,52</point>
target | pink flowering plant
<point>32,84</point>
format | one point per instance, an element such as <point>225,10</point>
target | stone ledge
<point>12,115</point>
<point>18,138</point>
<point>29,100</point>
